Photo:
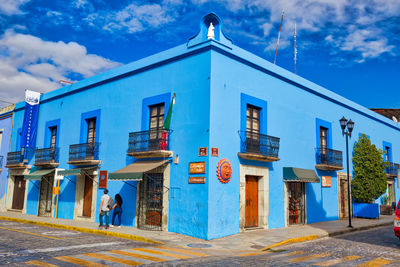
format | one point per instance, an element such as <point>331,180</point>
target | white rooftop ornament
<point>210,33</point>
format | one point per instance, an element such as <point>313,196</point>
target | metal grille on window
<point>150,202</point>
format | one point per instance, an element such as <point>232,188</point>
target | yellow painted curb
<point>291,240</point>
<point>84,230</point>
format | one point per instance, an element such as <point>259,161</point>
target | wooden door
<point>251,210</point>
<point>343,199</point>
<point>19,193</point>
<point>87,197</point>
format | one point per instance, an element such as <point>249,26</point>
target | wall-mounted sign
<point>224,171</point>
<point>103,179</point>
<point>197,167</point>
<point>197,180</point>
<point>202,151</point>
<point>214,152</point>
<point>56,190</point>
<point>57,176</point>
<point>326,181</point>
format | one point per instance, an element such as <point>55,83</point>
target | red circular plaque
<point>224,171</point>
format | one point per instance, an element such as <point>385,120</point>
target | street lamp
<point>350,126</point>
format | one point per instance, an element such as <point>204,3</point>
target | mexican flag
<point>167,121</point>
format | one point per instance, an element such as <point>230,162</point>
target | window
<point>91,132</point>
<point>387,153</point>
<point>156,126</point>
<point>156,116</point>
<point>253,119</point>
<point>323,137</point>
<point>53,136</point>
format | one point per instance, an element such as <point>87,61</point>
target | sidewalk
<point>245,241</point>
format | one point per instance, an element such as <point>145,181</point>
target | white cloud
<point>12,7</point>
<point>134,18</point>
<point>347,25</point>
<point>28,62</point>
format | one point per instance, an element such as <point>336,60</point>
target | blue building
<point>249,144</point>
<point>6,116</point>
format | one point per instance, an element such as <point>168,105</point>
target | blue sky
<point>349,47</point>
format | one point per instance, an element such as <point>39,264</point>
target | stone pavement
<point>249,240</point>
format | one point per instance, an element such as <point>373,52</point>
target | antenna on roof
<point>279,35</point>
<point>295,50</point>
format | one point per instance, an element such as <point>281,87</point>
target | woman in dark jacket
<point>117,210</point>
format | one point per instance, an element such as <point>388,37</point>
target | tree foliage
<point>369,180</point>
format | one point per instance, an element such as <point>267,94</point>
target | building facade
<point>6,118</point>
<point>249,143</point>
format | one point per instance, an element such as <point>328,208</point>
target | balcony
<point>329,159</point>
<point>260,147</point>
<point>16,160</point>
<point>84,154</point>
<point>149,144</point>
<point>391,169</point>
<point>47,157</point>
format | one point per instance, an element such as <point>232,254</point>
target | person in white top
<point>104,210</point>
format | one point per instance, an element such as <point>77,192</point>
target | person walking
<point>117,210</point>
<point>104,209</point>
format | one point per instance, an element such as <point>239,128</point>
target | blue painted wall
<point>213,81</point>
<point>6,129</point>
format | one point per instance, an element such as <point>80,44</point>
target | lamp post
<point>350,125</point>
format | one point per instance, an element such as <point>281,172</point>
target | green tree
<point>369,180</point>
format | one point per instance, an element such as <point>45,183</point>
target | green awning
<point>37,175</point>
<point>134,171</point>
<point>75,171</point>
<point>299,175</point>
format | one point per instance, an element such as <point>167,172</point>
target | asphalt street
<point>31,245</point>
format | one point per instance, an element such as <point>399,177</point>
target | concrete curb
<point>335,233</point>
<point>349,230</point>
<point>84,230</point>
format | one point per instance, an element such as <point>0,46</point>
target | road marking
<point>61,233</point>
<point>79,261</point>
<point>293,253</point>
<point>25,232</point>
<point>70,247</point>
<point>40,263</point>
<point>375,263</point>
<point>254,254</point>
<point>310,257</point>
<point>113,259</point>
<point>135,255</point>
<point>184,251</point>
<point>162,253</point>
<point>337,261</point>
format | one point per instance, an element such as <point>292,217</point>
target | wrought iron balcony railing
<point>392,168</point>
<point>261,144</point>
<point>330,157</point>
<point>15,158</point>
<point>1,162</point>
<point>46,155</point>
<point>151,140</point>
<point>86,151</point>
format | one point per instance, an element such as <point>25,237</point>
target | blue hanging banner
<point>29,125</point>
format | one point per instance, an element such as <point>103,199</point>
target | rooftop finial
<point>210,33</point>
